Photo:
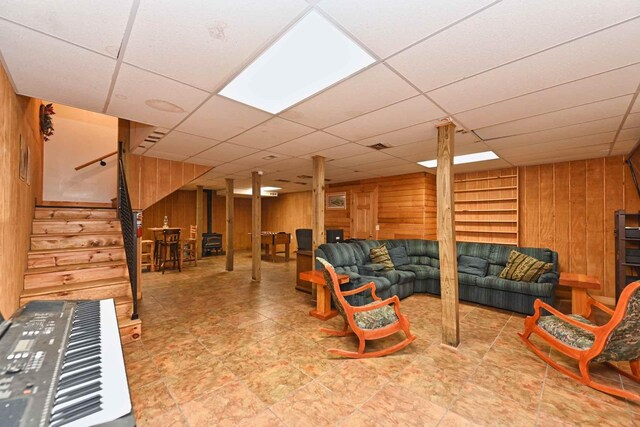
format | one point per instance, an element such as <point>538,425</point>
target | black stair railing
<point>129,232</point>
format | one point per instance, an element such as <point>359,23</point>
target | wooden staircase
<point>78,253</point>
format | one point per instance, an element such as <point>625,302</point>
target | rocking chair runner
<point>578,338</point>
<point>379,319</point>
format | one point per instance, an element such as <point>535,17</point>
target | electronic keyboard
<point>61,364</point>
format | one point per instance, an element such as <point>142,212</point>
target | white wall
<point>80,136</point>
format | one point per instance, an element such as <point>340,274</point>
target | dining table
<point>157,237</point>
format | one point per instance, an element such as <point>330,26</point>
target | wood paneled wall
<point>153,179</point>
<point>241,221</point>
<point>569,207</point>
<point>406,206</point>
<point>287,212</point>
<point>179,207</point>
<point>19,117</point>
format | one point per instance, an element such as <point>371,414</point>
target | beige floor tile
<point>519,386</point>
<point>451,419</point>
<point>197,380</point>
<point>276,381</point>
<point>486,407</point>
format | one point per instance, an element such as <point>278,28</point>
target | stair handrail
<point>128,222</point>
<point>96,160</point>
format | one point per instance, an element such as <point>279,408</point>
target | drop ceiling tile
<point>374,88</point>
<point>271,133</point>
<point>415,151</point>
<point>362,159</point>
<point>148,98</point>
<point>294,165</point>
<point>390,26</point>
<point>345,150</point>
<point>585,113</point>
<point>184,143</point>
<point>636,106</point>
<point>46,68</point>
<point>308,144</point>
<point>164,155</point>
<point>553,148</point>
<point>629,134</point>
<point>632,121</point>
<point>603,86</point>
<point>262,158</point>
<point>201,161</point>
<point>594,152</point>
<point>138,151</point>
<point>419,132</point>
<point>205,43</point>
<point>406,168</point>
<point>565,132</point>
<point>597,53</point>
<point>624,147</point>
<point>226,152</point>
<point>221,118</point>
<point>481,166</point>
<point>403,114</point>
<point>504,32</point>
<point>97,25</point>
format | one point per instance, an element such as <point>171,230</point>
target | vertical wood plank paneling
<point>532,206</point>
<point>547,208</point>
<point>595,216</point>
<point>287,212</point>
<point>578,218</point>
<point>562,204</point>
<point>164,177</point>
<point>176,174</point>
<point>613,200</point>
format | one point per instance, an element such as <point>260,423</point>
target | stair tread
<point>80,234</point>
<point>80,208</point>
<point>122,300</point>
<point>74,267</point>
<point>82,249</point>
<point>74,286</point>
<point>71,219</point>
<point>125,321</point>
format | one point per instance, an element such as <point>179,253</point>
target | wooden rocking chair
<point>578,338</point>
<point>379,319</point>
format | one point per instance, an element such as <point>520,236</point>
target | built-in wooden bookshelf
<point>486,206</point>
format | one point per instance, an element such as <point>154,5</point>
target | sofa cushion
<point>524,268</point>
<point>365,247</point>
<point>370,269</point>
<point>399,256</point>
<point>526,288</point>
<point>550,277</point>
<point>338,254</point>
<point>475,266</point>
<point>398,276</point>
<point>380,255</point>
<point>422,272</point>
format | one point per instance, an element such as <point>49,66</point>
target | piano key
<point>80,391</point>
<point>80,378</point>
<point>85,361</point>
<point>79,416</point>
<point>76,407</point>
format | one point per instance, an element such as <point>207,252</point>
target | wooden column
<point>446,236</point>
<point>256,229</point>
<point>229,228</point>
<point>317,207</point>
<point>200,223</point>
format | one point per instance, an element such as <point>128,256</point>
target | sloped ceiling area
<point>536,81</point>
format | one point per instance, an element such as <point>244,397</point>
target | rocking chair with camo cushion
<point>575,336</point>
<point>376,320</point>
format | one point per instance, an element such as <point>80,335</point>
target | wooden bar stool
<point>169,248</point>
<point>189,247</point>
<point>147,256</point>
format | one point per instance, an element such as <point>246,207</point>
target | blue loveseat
<point>422,273</point>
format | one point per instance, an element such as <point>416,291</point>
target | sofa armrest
<point>550,277</point>
<point>370,269</point>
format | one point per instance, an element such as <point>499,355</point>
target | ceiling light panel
<point>597,53</point>
<point>602,86</point>
<point>390,26</point>
<point>570,116</point>
<point>204,43</point>
<point>467,158</point>
<point>149,98</point>
<point>74,76</point>
<point>397,116</point>
<point>94,24</point>
<point>270,133</point>
<point>309,57</point>
<point>504,32</point>
<point>221,118</point>
<point>369,90</point>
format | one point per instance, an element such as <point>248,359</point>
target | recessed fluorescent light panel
<point>264,191</point>
<point>467,158</point>
<point>311,56</point>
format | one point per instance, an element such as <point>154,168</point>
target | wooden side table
<point>323,309</point>
<point>579,284</point>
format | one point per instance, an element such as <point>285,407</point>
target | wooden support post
<point>229,229</point>
<point>317,207</point>
<point>446,236</point>
<point>256,229</point>
<point>199,220</point>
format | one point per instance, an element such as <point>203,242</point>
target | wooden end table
<point>323,309</point>
<point>579,284</point>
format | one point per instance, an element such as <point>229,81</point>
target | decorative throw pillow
<point>524,267</point>
<point>473,265</point>
<point>380,255</point>
<point>399,256</point>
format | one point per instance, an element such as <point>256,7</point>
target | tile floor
<point>219,350</point>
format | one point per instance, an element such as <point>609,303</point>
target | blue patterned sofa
<point>422,274</point>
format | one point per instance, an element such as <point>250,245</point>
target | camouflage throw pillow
<point>524,268</point>
<point>380,255</point>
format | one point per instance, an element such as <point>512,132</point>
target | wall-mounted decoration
<point>24,159</point>
<point>337,200</point>
<point>46,123</point>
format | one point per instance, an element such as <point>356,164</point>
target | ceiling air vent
<point>379,146</point>
<point>305,176</point>
<point>283,180</point>
<point>300,183</point>
<point>270,157</point>
<point>327,180</point>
